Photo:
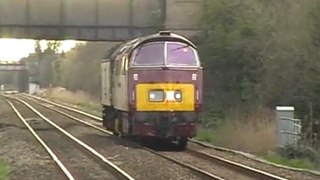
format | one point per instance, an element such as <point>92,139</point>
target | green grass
<point>90,108</point>
<point>205,135</point>
<point>296,163</point>
<point>3,170</point>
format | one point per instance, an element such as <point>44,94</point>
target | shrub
<point>300,152</point>
<point>296,163</point>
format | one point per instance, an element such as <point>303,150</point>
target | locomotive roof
<point>129,46</point>
<point>161,36</point>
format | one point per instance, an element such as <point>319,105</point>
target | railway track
<point>203,164</point>
<point>75,159</point>
<point>201,173</point>
<point>221,167</point>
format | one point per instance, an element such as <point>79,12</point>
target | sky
<point>15,49</point>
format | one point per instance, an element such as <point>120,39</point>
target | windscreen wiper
<point>185,46</point>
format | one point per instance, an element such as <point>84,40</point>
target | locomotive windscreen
<point>149,54</point>
<point>181,54</point>
<point>165,53</point>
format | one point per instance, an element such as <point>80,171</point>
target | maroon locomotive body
<point>152,88</point>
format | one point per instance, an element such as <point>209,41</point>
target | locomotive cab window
<point>165,53</point>
<point>181,54</point>
<point>149,54</point>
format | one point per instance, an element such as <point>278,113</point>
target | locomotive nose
<point>165,97</point>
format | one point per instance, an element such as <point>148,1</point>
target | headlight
<point>156,96</point>
<point>174,96</point>
<point>178,95</point>
<point>161,95</point>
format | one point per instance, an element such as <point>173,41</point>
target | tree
<point>261,53</point>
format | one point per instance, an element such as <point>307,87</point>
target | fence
<point>288,128</point>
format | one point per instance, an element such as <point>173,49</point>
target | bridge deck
<point>96,20</point>
<point>12,67</point>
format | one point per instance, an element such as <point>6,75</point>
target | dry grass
<point>78,98</point>
<point>62,94</point>
<point>253,132</point>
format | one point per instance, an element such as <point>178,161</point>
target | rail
<point>233,165</point>
<point>116,170</point>
<point>236,166</point>
<point>65,171</point>
<point>196,170</point>
<point>206,145</point>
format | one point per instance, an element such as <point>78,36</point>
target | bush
<point>296,163</point>
<point>205,135</point>
<point>300,152</point>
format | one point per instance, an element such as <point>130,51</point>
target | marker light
<point>135,77</point>
<point>194,77</point>
<point>197,95</point>
<point>133,95</point>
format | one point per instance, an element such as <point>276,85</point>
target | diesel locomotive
<point>152,88</point>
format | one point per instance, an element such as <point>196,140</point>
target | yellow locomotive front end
<point>165,97</point>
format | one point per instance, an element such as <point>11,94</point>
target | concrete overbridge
<point>18,75</point>
<point>97,20</point>
<point>12,66</point>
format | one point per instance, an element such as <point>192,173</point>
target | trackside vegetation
<point>296,163</point>
<point>256,54</point>
<point>3,170</point>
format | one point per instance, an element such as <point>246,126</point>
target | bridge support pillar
<point>23,78</point>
